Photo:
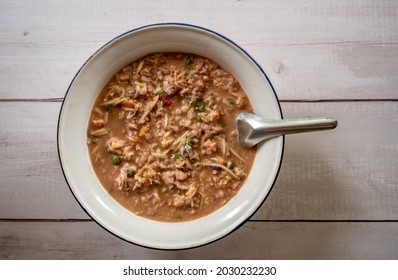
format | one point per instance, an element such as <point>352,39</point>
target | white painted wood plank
<point>255,21</point>
<point>271,240</point>
<point>342,71</point>
<point>31,180</point>
<point>40,71</point>
<point>336,71</point>
<point>310,49</point>
<point>348,173</point>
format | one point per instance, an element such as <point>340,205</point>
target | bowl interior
<point>75,113</point>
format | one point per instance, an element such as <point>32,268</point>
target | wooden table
<point>336,196</point>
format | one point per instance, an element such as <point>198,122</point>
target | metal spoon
<point>254,129</point>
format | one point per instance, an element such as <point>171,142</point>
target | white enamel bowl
<point>73,122</point>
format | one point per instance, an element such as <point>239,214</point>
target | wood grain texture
<point>273,240</point>
<point>310,72</point>
<point>281,22</point>
<point>324,175</point>
<point>336,194</point>
<point>325,50</point>
<point>348,173</point>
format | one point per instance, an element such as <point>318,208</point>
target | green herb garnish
<point>198,118</point>
<point>158,90</point>
<point>108,109</point>
<point>199,106</point>
<point>191,140</point>
<point>188,60</point>
<point>130,173</point>
<point>230,164</point>
<point>177,155</point>
<point>116,160</point>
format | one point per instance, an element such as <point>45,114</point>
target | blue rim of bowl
<point>184,25</point>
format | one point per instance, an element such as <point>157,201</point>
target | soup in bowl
<point>147,142</point>
<point>162,137</point>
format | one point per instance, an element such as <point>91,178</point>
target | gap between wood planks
<point>280,100</point>
<point>55,100</point>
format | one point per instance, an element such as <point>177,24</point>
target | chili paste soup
<point>162,138</point>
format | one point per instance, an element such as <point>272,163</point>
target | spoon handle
<point>273,128</point>
<point>254,129</point>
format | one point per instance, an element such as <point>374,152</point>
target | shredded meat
<point>161,136</point>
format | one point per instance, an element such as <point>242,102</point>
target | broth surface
<point>162,139</point>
